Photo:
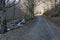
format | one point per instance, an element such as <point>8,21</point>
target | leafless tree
<point>3,8</point>
<point>30,7</point>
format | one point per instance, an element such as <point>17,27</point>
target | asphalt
<point>39,29</point>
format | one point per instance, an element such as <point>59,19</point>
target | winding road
<point>39,29</point>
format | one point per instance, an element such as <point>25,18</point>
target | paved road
<point>40,29</point>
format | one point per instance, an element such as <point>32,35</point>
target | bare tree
<point>30,7</point>
<point>3,6</point>
<point>3,24</point>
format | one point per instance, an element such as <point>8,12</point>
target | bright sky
<point>11,1</point>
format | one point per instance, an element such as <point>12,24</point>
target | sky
<point>11,1</point>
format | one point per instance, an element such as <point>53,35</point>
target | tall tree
<point>3,17</point>
<point>30,7</point>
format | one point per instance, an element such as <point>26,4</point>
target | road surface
<point>39,29</point>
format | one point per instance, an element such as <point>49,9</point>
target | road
<point>39,29</point>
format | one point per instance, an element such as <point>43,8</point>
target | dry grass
<point>55,20</point>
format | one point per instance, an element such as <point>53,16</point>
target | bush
<point>56,15</point>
